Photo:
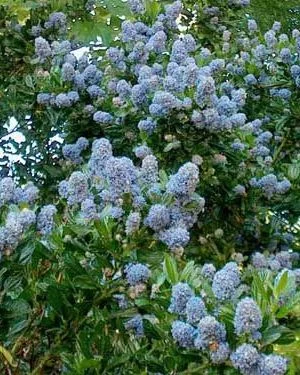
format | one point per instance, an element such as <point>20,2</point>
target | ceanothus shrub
<point>123,295</point>
<point>161,90</point>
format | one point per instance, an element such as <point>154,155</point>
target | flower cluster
<point>200,324</point>
<point>21,215</point>
<point>226,281</point>
<point>114,177</point>
<point>275,262</point>
<point>155,74</point>
<point>183,85</point>
<point>72,151</point>
<point>248,317</point>
<point>136,274</point>
<point>270,185</point>
<point>249,361</point>
<point>11,193</point>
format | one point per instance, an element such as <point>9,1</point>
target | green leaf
<point>26,253</point>
<point>292,302</point>
<point>85,282</point>
<point>287,337</point>
<point>172,146</point>
<point>293,171</point>
<point>163,177</point>
<point>58,300</point>
<point>7,356</point>
<point>170,269</point>
<point>281,284</point>
<point>187,271</point>
<point>86,364</point>
<point>270,335</point>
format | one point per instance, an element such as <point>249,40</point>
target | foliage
<point>191,112</point>
<point>66,302</point>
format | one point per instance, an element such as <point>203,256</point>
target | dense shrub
<point>161,237</point>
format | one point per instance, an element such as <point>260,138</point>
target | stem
<point>281,147</point>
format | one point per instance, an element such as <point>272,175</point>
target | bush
<point>171,245</point>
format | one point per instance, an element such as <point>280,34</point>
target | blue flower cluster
<point>181,293</point>
<point>200,325</point>
<point>10,193</point>
<point>135,324</point>
<point>208,271</point>
<point>248,318</point>
<point>182,85</point>
<point>14,228</point>
<point>72,151</point>
<point>20,201</point>
<point>137,273</point>
<point>275,262</point>
<point>58,21</point>
<point>183,333</point>
<point>249,361</point>
<point>133,222</point>
<point>155,74</point>
<point>110,178</point>
<point>201,330</point>
<point>45,219</point>
<point>226,281</point>
<point>270,185</point>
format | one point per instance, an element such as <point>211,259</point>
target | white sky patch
<point>80,52</point>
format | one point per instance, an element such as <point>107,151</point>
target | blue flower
<point>135,324</point>
<point>246,359</point>
<point>137,273</point>
<point>67,72</point>
<point>248,318</point>
<point>45,220</point>
<point>77,188</point>
<point>250,80</point>
<point>7,189</point>
<point>148,125</point>
<point>226,281</point>
<point>95,91</point>
<point>210,333</point>
<point>149,170</point>
<point>274,365</point>
<point>142,151</point>
<point>258,260</point>
<point>205,90</point>
<point>132,224</point>
<point>88,209</point>
<point>157,42</point>
<point>103,117</point>
<point>175,237</point>
<point>221,354</point>
<point>184,182</point>
<point>92,75</point>
<point>183,333</point>
<point>62,100</point>
<point>43,98</point>
<point>195,310</point>
<point>217,65</point>
<point>42,48</point>
<point>208,271</point>
<point>27,218</point>
<point>181,293</point>
<point>136,6</point>
<point>158,217</point>
<point>56,20</point>
<point>252,25</point>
